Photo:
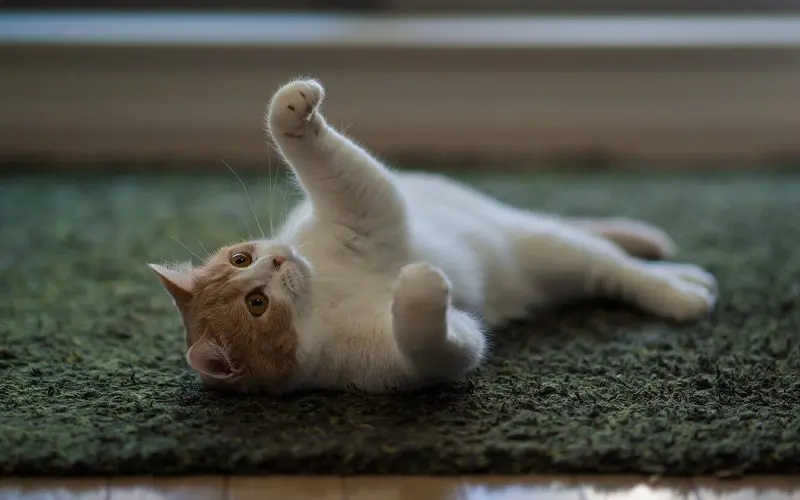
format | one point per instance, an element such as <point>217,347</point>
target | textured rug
<point>92,378</point>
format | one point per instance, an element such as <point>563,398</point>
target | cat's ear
<point>178,282</point>
<point>210,360</point>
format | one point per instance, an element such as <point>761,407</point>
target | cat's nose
<point>277,261</point>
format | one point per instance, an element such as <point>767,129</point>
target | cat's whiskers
<point>284,204</point>
<point>343,128</point>
<point>208,254</point>
<point>275,185</point>
<point>247,195</point>
<point>271,197</point>
<point>302,246</point>
<point>295,225</point>
<point>292,182</point>
<point>187,248</point>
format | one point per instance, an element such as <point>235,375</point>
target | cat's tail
<point>638,238</point>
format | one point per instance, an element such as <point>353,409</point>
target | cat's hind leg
<point>637,238</point>
<point>438,341</point>
<point>570,265</point>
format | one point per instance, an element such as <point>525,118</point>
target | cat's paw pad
<point>294,110</point>
<point>421,285</point>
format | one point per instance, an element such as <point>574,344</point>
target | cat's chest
<point>335,247</point>
<point>345,288</point>
<point>346,279</point>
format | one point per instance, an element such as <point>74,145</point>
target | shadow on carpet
<point>93,381</point>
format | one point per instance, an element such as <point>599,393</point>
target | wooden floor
<point>400,487</point>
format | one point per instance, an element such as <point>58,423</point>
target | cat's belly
<point>485,277</point>
<point>472,239</point>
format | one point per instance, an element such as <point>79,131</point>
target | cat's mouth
<point>292,278</point>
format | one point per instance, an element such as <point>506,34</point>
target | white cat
<point>389,281</point>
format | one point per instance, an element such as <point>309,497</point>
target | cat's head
<point>239,310</point>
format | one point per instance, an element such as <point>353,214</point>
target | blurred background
<point>468,84</point>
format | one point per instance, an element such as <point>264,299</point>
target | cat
<point>382,280</point>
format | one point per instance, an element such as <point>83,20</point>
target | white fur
<point>410,270</point>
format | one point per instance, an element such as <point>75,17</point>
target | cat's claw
<point>294,110</point>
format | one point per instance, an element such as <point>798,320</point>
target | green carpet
<point>92,377</point>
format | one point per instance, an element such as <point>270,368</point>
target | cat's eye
<point>241,259</point>
<point>257,303</point>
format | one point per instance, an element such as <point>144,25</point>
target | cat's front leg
<point>345,183</point>
<point>440,342</point>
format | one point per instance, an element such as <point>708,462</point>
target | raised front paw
<point>294,110</point>
<point>421,287</point>
<point>690,292</point>
<point>419,308</point>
